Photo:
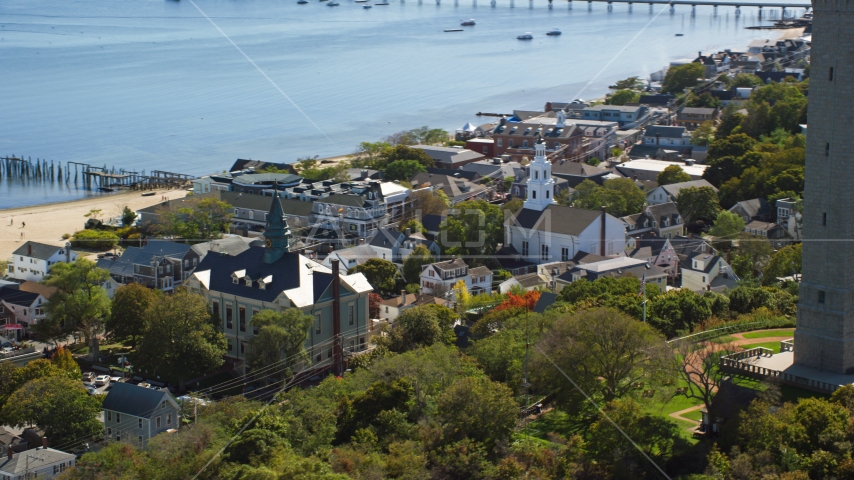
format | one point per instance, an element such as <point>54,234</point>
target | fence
<point>736,363</point>
<point>733,328</point>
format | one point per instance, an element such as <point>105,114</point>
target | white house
<point>706,271</point>
<point>527,282</point>
<point>391,308</point>
<point>350,257</point>
<point>666,136</point>
<point>440,277</point>
<point>41,462</point>
<point>394,246</point>
<point>613,267</point>
<point>669,193</point>
<point>32,260</point>
<point>543,231</point>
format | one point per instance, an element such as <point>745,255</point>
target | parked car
<point>7,350</point>
<point>101,380</point>
<point>88,377</point>
<point>90,389</point>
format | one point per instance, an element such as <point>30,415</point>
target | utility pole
<point>525,384</point>
<point>643,292</point>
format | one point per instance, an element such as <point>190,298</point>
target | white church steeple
<point>540,181</point>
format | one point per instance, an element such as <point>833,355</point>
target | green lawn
<point>775,346</point>
<point>785,332</point>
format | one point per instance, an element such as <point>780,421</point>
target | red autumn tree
<point>527,300</point>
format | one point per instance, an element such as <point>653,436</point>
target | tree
<point>94,239</point>
<point>619,196</point>
<point>128,216</point>
<point>681,77</point>
<point>128,313</point>
<point>622,97</point>
<point>402,152</point>
<point>474,229</point>
<point>200,219</point>
<point>784,263</point>
<point>430,203</point>
<point>415,327</point>
<point>672,174</point>
<point>367,154</point>
<point>746,80</point>
<point>281,338</point>
<point>698,204</point>
<point>414,226</point>
<point>374,301</point>
<point>413,264</point>
<point>403,169</point>
<point>181,340</point>
<point>756,249</point>
<point>79,304</point>
<point>727,225</point>
<point>477,409</point>
<point>696,364</point>
<point>704,100</point>
<point>462,297</point>
<point>381,274</point>
<point>64,361</point>
<point>604,350</point>
<point>704,134</point>
<point>59,405</point>
<point>631,83</point>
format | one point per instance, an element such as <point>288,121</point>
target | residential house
<point>628,116</point>
<point>613,267</point>
<point>9,440</point>
<point>32,260</point>
<point>449,157</point>
<point>753,209</point>
<point>674,138</point>
<point>439,278</point>
<point>351,257</point>
<point>527,282</point>
<point>19,311</point>
<point>496,169</point>
<point>669,193</point>
<point>41,463</point>
<point>648,169</point>
<point>692,117</point>
<point>273,278</point>
<point>707,271</point>
<point>655,251</point>
<point>244,181</point>
<point>158,264</point>
<point>663,220</point>
<point>456,188</point>
<point>392,307</point>
<point>486,146</point>
<point>687,246</point>
<point>431,224</point>
<point>134,414</point>
<point>789,216</point>
<point>396,246</point>
<point>776,234</point>
<point>543,231</point>
<point>576,172</point>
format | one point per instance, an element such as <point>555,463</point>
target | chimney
<point>29,249</point>
<point>402,298</point>
<point>602,233</point>
<point>9,452</point>
<point>336,315</point>
<point>44,442</point>
<point>408,232</point>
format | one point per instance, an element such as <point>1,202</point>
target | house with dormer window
<point>440,277</point>
<point>707,271</point>
<point>662,219</point>
<point>32,260</point>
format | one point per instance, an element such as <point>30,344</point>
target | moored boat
<point>467,23</point>
<point>525,36</point>
<point>554,32</point>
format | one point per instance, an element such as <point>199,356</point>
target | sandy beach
<point>47,223</point>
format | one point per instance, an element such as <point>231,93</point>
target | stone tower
<point>541,185</point>
<point>824,338</point>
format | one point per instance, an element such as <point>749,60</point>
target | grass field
<point>786,332</point>
<point>775,346</point>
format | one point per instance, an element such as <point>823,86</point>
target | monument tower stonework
<point>824,338</point>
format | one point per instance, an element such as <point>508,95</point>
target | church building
<point>543,231</point>
<point>272,277</point>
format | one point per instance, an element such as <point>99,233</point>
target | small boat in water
<point>367,6</point>
<point>525,36</point>
<point>467,23</point>
<point>553,32</point>
<point>381,3</point>
<point>453,29</point>
<point>302,2</point>
<point>332,4</point>
<point>680,34</point>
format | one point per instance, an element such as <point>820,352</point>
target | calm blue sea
<point>152,84</point>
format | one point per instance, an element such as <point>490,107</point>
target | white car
<point>90,389</point>
<point>102,380</point>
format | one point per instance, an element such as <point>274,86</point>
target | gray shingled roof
<point>664,131</point>
<point>18,465</point>
<point>449,155</point>
<point>565,220</point>
<point>133,399</point>
<point>674,188</point>
<point>42,251</point>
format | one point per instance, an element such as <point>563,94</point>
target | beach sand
<point>47,223</point>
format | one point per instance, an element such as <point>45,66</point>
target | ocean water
<point>153,84</point>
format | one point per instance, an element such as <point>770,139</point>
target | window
<point>109,432</point>
<point>525,249</point>
<point>564,254</point>
<point>140,423</point>
<point>498,142</point>
<point>544,252</point>
<point>158,422</point>
<point>242,347</point>
<point>524,144</point>
<point>533,194</point>
<point>140,441</point>
<point>318,320</point>
<point>547,194</point>
<point>109,416</point>
<point>536,174</point>
<point>830,75</point>
<point>821,296</point>
<point>827,149</point>
<point>318,358</point>
<point>229,319</point>
<point>824,219</point>
<point>215,308</point>
<point>169,419</point>
<point>351,314</point>
<point>163,404</point>
<point>255,312</point>
<point>242,318</point>
<point>118,417</point>
<point>118,435</point>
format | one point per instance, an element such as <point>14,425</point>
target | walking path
<point>678,415</point>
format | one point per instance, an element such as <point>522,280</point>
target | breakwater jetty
<point>28,171</point>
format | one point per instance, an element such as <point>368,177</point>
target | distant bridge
<point>711,3</point>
